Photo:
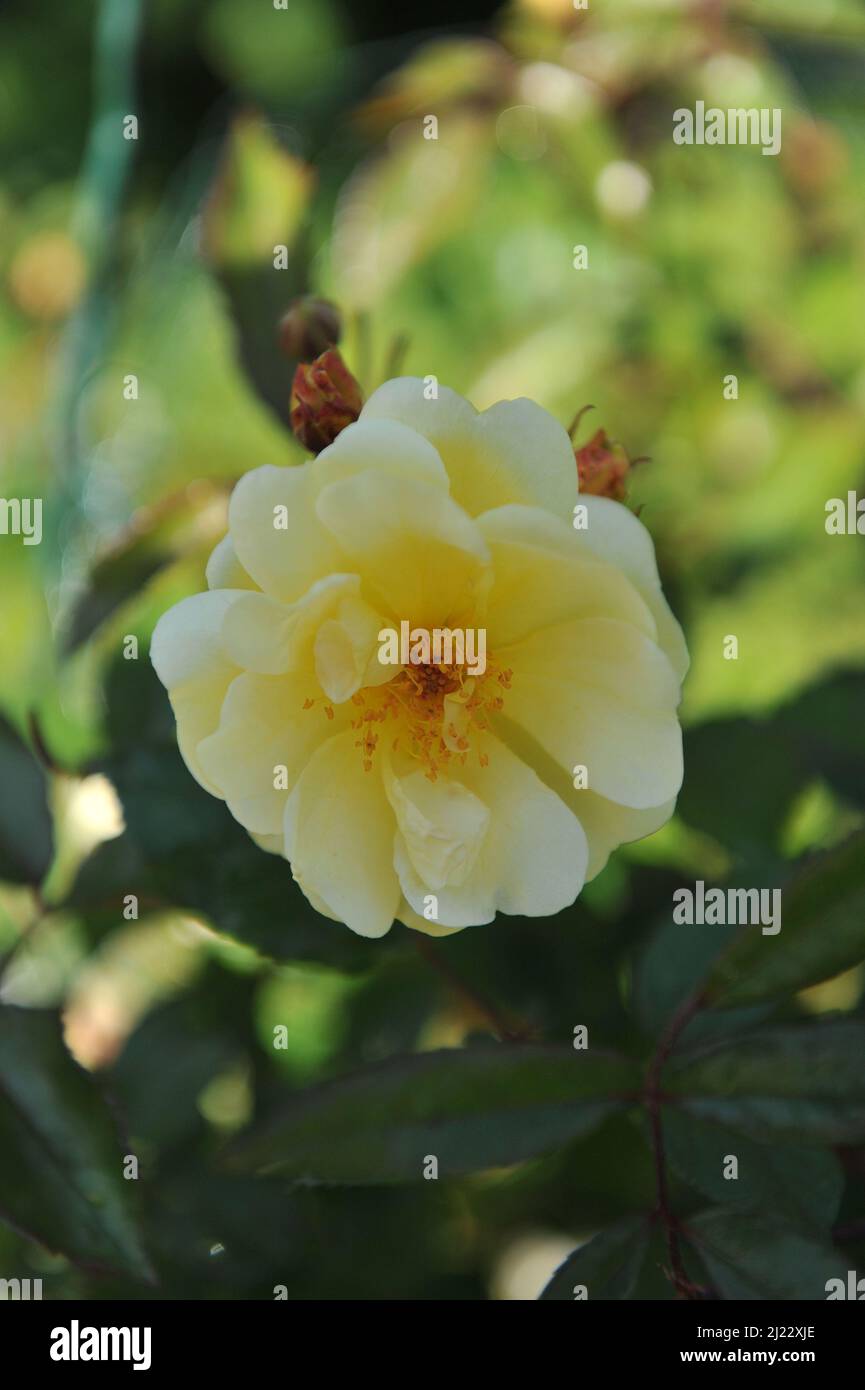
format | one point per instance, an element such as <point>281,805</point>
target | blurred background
<point>152,258</point>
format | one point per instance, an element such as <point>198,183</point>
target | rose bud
<point>308,327</point>
<point>324,399</point>
<point>603,467</point>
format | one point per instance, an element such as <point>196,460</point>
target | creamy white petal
<point>387,446</point>
<point>513,452</point>
<point>443,824</point>
<point>189,658</point>
<point>524,455</point>
<point>446,420</point>
<point>606,823</point>
<point>422,559</point>
<point>339,838</point>
<point>273,844</point>
<point>269,637</point>
<point>284,560</point>
<point>617,536</point>
<point>224,570</point>
<point>346,651</point>
<point>256,633</point>
<point>532,860</point>
<point>410,918</point>
<point>543,577</point>
<point>187,640</point>
<point>265,738</point>
<point>599,693</point>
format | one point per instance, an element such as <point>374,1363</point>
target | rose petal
<point>513,452</point>
<point>532,859</point>
<point>190,659</point>
<point>422,559</point>
<point>617,536</point>
<point>339,838</point>
<point>264,726</point>
<point>224,570</point>
<point>600,693</point>
<point>543,577</point>
<point>283,561</point>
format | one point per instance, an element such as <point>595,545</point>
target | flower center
<point>431,679</point>
<point>435,709</point>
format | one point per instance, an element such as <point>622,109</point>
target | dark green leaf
<point>26,832</point>
<point>719,762</point>
<point>803,1183</point>
<point>671,966</point>
<point>552,972</point>
<point>826,726</point>
<point>757,1255</point>
<point>185,1043</point>
<point>587,1184</point>
<point>801,1084</point>
<point>61,1165</point>
<point>607,1266</point>
<point>481,1107</point>
<point>822,933</point>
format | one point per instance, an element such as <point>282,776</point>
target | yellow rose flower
<point>421,791</point>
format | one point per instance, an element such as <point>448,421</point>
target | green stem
<point>653,1100</point>
<point>105,169</point>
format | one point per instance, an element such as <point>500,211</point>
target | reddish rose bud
<point>324,399</point>
<point>308,327</point>
<point>603,467</point>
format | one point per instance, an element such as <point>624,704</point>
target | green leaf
<point>825,725</point>
<point>479,1108</point>
<point>258,198</point>
<point>265,53</point>
<point>758,1255</point>
<point>801,1084</point>
<point>61,1165</point>
<point>608,1265</point>
<point>550,972</point>
<point>669,968</point>
<point>822,933</point>
<point>719,759</point>
<point>185,1043</point>
<point>803,1183</point>
<point>26,830</point>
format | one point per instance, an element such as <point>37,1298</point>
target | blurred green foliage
<point>554,130</point>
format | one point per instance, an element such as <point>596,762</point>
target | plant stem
<point>40,912</point>
<point>396,356</point>
<point>653,1098</point>
<point>504,1028</point>
<point>95,228</point>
